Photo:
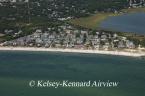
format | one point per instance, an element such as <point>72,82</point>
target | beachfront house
<point>130,44</point>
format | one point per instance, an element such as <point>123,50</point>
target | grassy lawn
<point>132,10</point>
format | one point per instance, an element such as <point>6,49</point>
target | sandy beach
<point>120,53</point>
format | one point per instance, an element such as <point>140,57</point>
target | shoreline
<point>93,21</point>
<point>103,52</point>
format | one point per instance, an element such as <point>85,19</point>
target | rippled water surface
<point>18,68</point>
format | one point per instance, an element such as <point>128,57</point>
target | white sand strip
<point>121,53</point>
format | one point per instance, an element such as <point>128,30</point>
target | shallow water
<point>18,68</point>
<point>133,22</point>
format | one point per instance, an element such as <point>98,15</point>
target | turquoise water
<point>133,22</point>
<point>18,68</point>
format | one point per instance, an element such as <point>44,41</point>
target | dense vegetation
<point>49,10</point>
<point>45,13</point>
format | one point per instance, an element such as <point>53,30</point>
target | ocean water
<point>18,68</point>
<point>132,22</point>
